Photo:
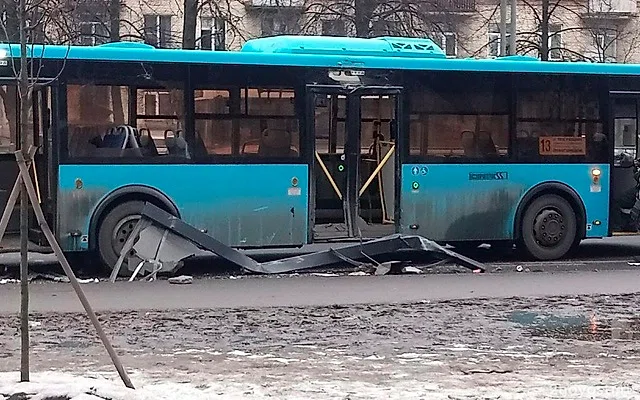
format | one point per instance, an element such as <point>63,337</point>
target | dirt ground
<point>556,347</point>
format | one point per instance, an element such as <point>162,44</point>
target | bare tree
<point>26,22</point>
<point>547,24</point>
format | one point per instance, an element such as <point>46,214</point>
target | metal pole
<point>503,27</point>
<point>513,30</point>
<point>23,90</point>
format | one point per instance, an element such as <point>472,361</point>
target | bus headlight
<point>595,175</point>
<point>3,53</point>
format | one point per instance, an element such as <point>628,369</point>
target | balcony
<point>450,6</point>
<point>274,3</point>
<point>611,9</point>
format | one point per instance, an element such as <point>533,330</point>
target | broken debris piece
<point>181,280</point>
<point>411,270</point>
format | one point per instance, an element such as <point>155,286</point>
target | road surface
<point>316,291</point>
<point>507,336</point>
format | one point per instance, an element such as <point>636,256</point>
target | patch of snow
<point>238,353</point>
<point>409,355</point>
<point>283,360</point>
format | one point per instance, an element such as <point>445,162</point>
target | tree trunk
<point>544,27</point>
<point>23,86</point>
<point>189,24</point>
<point>363,15</point>
<point>114,36</point>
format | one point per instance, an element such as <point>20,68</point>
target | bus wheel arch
<point>126,199</point>
<point>563,200</point>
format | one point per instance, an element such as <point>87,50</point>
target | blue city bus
<point>296,140</point>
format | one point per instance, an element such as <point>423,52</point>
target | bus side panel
<point>245,205</point>
<point>479,201</point>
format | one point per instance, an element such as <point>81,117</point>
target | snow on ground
<point>58,386</point>
<point>582,347</point>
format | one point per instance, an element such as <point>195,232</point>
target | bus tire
<point>114,229</point>
<point>548,228</point>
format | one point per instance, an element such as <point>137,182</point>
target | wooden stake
<point>26,178</point>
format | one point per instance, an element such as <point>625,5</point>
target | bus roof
<point>322,51</point>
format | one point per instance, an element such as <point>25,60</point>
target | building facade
<point>594,30</point>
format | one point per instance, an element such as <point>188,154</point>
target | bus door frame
<point>351,197</point>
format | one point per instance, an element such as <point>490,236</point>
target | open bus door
<point>38,124</point>
<point>355,168</point>
<point>625,112</point>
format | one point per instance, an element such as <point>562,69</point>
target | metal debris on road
<point>181,280</point>
<point>165,240</point>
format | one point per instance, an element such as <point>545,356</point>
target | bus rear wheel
<point>114,230</point>
<point>549,228</point>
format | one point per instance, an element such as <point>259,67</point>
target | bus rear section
<point>501,158</point>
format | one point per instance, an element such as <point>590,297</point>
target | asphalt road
<point>316,291</point>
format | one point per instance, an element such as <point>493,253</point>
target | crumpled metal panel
<point>170,240</point>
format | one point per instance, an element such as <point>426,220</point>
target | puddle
<point>578,327</point>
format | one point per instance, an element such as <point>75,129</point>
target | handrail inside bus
<point>329,177</point>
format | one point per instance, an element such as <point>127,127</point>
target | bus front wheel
<point>114,230</point>
<point>549,228</point>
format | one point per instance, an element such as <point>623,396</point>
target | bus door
<point>625,110</point>
<point>355,165</point>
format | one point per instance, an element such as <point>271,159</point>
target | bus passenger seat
<point>468,144</point>
<point>148,146</point>
<point>177,146</point>
<point>275,143</point>
<point>486,146</point>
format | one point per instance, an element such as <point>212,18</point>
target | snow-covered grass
<point>59,386</point>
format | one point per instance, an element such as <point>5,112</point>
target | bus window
<point>466,118</point>
<point>92,112</point>
<point>160,121</point>
<point>559,107</point>
<point>8,118</point>
<point>247,122</point>
<point>625,125</point>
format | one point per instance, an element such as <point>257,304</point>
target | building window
<point>333,27</point>
<point>447,42</point>
<point>605,42</point>
<point>157,30</point>
<point>554,42</point>
<point>460,117</point>
<point>386,27</point>
<point>93,33</point>
<point>212,33</point>
<point>494,40</point>
<point>280,23</point>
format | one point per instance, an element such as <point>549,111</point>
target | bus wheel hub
<point>123,230</point>
<point>549,228</point>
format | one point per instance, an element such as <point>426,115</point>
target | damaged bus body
<point>297,140</point>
